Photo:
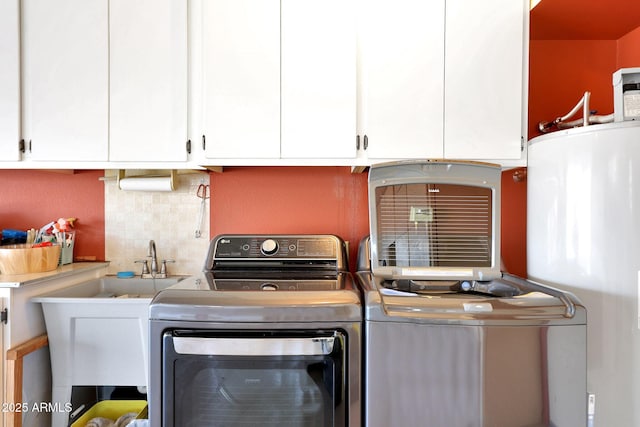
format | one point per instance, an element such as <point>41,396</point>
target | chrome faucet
<point>153,272</point>
<point>154,258</point>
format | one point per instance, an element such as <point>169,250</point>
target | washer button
<point>269,247</point>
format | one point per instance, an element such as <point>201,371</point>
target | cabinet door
<point>65,78</point>
<point>9,80</point>
<point>148,86</point>
<point>401,62</point>
<point>485,74</point>
<point>241,78</point>
<point>318,79</point>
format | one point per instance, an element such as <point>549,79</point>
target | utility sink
<point>135,287</point>
<point>98,332</point>
<point>110,287</point>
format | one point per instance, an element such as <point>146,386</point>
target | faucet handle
<point>163,268</point>
<point>145,266</point>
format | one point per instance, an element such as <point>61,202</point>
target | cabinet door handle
<point>188,146</point>
<point>365,144</point>
<point>204,143</point>
<point>357,142</point>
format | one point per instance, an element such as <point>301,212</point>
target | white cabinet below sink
<point>98,334</point>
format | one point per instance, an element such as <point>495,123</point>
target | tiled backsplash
<point>133,218</point>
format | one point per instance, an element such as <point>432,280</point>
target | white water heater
<point>583,235</point>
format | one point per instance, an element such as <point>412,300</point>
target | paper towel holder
<point>122,174</point>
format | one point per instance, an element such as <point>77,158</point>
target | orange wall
<point>513,216</point>
<point>305,200</point>
<point>629,50</point>
<point>31,199</point>
<point>244,200</point>
<point>560,71</point>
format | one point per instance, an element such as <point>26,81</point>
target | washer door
<point>253,378</point>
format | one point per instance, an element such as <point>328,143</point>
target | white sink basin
<point>98,332</point>
<point>135,287</point>
<point>111,287</point>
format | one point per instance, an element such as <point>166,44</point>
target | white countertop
<point>18,280</point>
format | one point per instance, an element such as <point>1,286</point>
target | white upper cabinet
<point>443,79</point>
<point>65,79</point>
<point>486,79</point>
<point>148,80</point>
<point>401,78</point>
<point>9,80</point>
<point>240,78</point>
<point>261,82</point>
<point>318,79</point>
<point>278,79</point>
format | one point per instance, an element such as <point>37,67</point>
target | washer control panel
<point>278,284</point>
<point>280,246</point>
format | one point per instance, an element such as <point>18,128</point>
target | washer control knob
<point>269,247</point>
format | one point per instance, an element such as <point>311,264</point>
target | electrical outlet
<point>421,214</point>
